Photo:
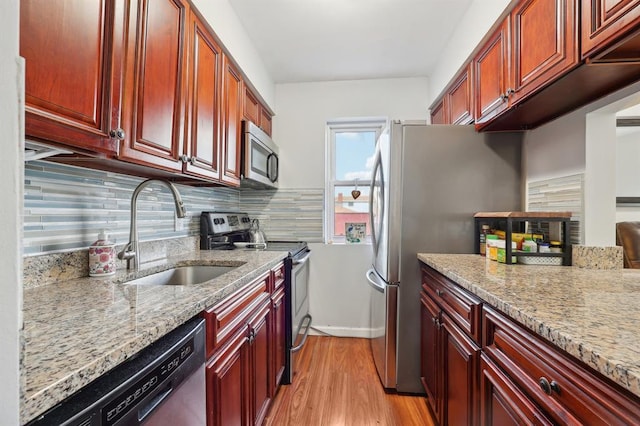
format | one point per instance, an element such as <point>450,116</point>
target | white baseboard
<point>319,330</point>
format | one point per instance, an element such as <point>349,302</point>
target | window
<point>350,156</point>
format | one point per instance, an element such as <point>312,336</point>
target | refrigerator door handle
<point>373,279</point>
<point>375,236</point>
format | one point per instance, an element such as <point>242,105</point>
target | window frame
<point>375,124</point>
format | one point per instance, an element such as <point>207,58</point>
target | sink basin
<point>183,275</point>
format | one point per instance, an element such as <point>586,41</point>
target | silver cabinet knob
<point>117,134</point>
<point>184,158</point>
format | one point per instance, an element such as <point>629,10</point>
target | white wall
<point>339,294</point>
<point>473,26</point>
<point>628,172</point>
<point>11,183</point>
<point>227,26</point>
<point>628,164</point>
<point>305,108</point>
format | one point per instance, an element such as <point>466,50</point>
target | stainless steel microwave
<point>259,158</point>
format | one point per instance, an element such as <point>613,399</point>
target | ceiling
<point>325,40</point>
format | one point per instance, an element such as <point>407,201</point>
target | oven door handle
<point>306,332</point>
<point>302,260</point>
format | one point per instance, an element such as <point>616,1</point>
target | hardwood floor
<point>337,385</point>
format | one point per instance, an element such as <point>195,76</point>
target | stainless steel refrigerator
<point>427,183</point>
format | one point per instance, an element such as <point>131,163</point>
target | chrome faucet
<point>131,251</point>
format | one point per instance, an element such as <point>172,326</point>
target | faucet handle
<point>127,252</point>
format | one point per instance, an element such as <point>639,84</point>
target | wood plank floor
<point>337,385</point>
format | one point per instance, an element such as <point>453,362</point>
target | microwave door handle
<point>270,170</point>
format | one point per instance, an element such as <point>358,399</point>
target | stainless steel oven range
<point>230,231</point>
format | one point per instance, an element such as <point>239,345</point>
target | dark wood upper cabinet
<point>438,114</point>
<point>491,69</point>
<point>73,54</point>
<point>455,106</point>
<point>232,102</point>
<point>460,98</point>
<point>544,40</point>
<point>265,120</point>
<point>155,89</point>
<point>202,155</point>
<point>251,106</point>
<point>255,112</point>
<point>613,25</point>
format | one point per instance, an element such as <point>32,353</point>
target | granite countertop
<point>593,315</point>
<point>75,331</point>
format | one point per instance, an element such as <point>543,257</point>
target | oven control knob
<point>216,221</point>
<point>222,221</point>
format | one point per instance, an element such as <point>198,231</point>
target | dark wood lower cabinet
<point>461,356</point>
<point>514,378</point>
<point>260,362</point>
<point>279,347</point>
<point>430,355</point>
<point>449,366</point>
<point>502,403</point>
<point>245,342</point>
<point>228,384</point>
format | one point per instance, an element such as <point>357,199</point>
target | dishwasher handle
<point>143,412</point>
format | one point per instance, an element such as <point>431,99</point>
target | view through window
<point>351,148</point>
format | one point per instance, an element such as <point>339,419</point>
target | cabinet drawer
<point>568,391</point>
<point>502,403</point>
<point>224,318</point>
<point>463,308</point>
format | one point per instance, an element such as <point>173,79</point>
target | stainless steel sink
<point>183,275</point>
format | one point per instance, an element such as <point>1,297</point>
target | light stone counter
<point>593,315</point>
<point>78,330</point>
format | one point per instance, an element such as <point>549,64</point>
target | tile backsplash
<point>66,206</point>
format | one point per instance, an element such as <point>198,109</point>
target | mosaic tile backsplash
<point>558,194</point>
<point>66,206</point>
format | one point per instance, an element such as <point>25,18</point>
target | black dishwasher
<point>164,384</point>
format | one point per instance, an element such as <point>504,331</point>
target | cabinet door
<point>251,107</point>
<point>265,120</point>
<point>606,21</point>
<point>279,342</point>
<point>260,336</point>
<point>228,402</point>
<point>564,389</point>
<point>438,113</point>
<point>461,357</point>
<point>73,56</point>
<point>430,359</point>
<point>491,74</point>
<point>203,118</point>
<point>544,44</point>
<point>231,123</point>
<point>155,89</point>
<point>460,99</point>
<point>501,401</point>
